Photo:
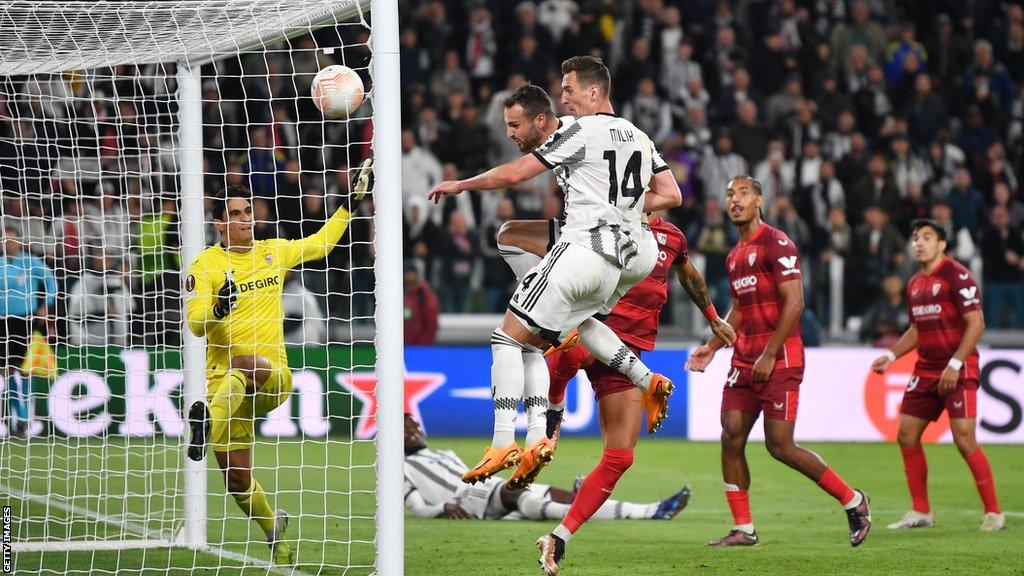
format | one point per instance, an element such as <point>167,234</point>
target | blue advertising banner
<point>458,403</point>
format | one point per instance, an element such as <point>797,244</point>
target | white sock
<point>619,510</point>
<point>535,393</point>
<point>519,260</point>
<point>562,532</point>
<point>746,528</point>
<point>608,349</point>
<point>559,406</point>
<point>506,386</point>
<point>854,502</point>
<point>537,507</point>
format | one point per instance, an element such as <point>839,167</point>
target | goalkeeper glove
<point>227,297</point>
<point>361,183</point>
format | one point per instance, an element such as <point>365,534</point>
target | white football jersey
<point>604,165</point>
<point>436,474</point>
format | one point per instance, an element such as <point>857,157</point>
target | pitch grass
<point>802,529</point>
<point>327,487</point>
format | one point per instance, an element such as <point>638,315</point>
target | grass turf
<point>803,531</point>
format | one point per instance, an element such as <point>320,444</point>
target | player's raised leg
<point>915,466</point>
<point>779,440</point>
<point>966,442</point>
<point>736,426</point>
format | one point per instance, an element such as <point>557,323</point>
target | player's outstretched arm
<point>697,289</point>
<point>664,192</point>
<point>703,355</point>
<point>905,344</point>
<point>418,506</point>
<point>320,244</point>
<point>503,176</point>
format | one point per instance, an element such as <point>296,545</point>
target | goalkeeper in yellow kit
<point>234,299</point>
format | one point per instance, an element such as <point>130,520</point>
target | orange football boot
<point>570,341</point>
<point>534,460</point>
<point>495,460</point>
<point>655,400</point>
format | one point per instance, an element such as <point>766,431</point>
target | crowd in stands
<point>857,117</point>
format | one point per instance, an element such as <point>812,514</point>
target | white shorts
<point>572,283</point>
<point>482,501</point>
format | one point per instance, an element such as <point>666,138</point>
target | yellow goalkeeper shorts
<point>241,431</point>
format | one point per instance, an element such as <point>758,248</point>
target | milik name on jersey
<point>257,284</point>
<point>619,135</point>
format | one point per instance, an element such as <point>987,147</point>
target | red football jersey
<point>937,303</point>
<point>756,269</point>
<point>635,317</point>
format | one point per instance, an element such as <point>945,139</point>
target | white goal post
<point>168,43</point>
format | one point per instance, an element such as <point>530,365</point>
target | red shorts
<point>922,398</point>
<point>605,380</point>
<point>778,398</point>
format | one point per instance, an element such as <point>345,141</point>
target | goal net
<point>118,122</point>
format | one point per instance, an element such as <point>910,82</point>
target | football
<point>337,91</point>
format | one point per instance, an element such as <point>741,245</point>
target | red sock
<point>916,468</point>
<point>562,367</point>
<point>831,482</point>
<point>982,472</point>
<point>597,487</point>
<point>739,503</point>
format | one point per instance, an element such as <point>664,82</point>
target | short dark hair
<point>533,99</point>
<point>219,209</point>
<point>753,182</point>
<point>928,223</point>
<point>589,70</point>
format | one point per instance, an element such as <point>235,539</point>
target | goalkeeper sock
<point>608,349</point>
<point>507,382</point>
<point>19,396</point>
<point>519,260</point>
<point>535,389</point>
<point>255,505</point>
<point>225,403</point>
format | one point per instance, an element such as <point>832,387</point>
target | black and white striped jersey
<point>603,164</point>
<point>435,474</point>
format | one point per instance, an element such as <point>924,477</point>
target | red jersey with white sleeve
<point>756,270</point>
<point>635,318</point>
<point>937,303</point>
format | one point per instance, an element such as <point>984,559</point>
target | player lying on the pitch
<point>233,291</point>
<point>433,490</point>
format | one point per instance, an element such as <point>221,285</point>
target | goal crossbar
<point>44,37</point>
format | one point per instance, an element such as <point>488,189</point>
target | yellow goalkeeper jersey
<point>256,325</point>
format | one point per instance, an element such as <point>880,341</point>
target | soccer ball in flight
<point>337,91</point>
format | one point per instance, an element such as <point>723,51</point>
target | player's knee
<point>732,442</point>
<point>966,445</point>
<point>907,439</point>
<point>506,234</point>
<point>781,451</point>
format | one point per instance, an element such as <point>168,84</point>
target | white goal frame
<point>28,29</point>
